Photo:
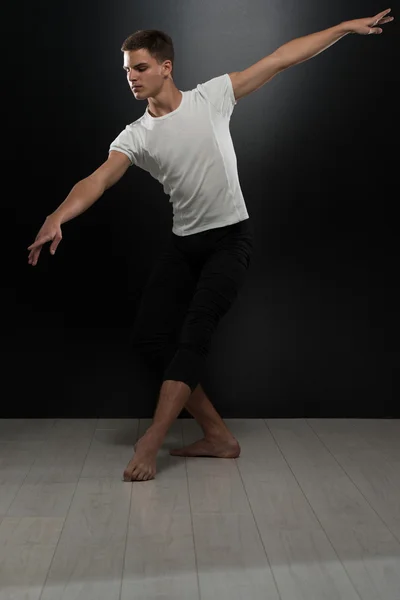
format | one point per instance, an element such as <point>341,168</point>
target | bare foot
<point>222,448</point>
<point>143,464</point>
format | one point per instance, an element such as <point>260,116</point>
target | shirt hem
<point>116,149</point>
<point>206,228</point>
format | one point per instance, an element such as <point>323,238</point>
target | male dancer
<point>183,141</point>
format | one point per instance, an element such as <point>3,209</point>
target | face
<point>145,75</point>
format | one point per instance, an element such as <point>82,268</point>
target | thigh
<point>165,298</point>
<point>221,278</point>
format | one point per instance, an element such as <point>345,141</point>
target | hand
<point>50,230</point>
<point>368,25</point>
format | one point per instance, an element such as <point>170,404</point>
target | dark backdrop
<point>312,331</point>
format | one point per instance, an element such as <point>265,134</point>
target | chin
<point>140,95</point>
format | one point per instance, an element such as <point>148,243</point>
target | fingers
<point>382,14</point>
<point>34,256</point>
<point>385,20</point>
<point>37,246</point>
<point>381,18</point>
<point>40,242</point>
<point>55,243</point>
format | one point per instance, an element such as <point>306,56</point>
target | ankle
<point>155,433</point>
<point>217,433</point>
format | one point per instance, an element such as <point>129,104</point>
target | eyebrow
<point>142,64</point>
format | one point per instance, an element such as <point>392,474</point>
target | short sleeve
<point>219,92</point>
<point>128,143</point>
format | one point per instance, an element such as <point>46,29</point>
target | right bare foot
<point>221,448</point>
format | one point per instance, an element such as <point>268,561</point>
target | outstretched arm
<point>84,193</point>
<point>299,50</point>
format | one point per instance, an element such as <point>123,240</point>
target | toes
<point>135,474</point>
<point>176,451</point>
<point>129,471</point>
<point>138,473</point>
<point>145,476</point>
<point>127,474</point>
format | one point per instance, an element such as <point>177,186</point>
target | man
<point>183,141</point>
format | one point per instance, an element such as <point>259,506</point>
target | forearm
<point>81,197</point>
<point>303,48</point>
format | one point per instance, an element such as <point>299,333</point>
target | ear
<point>167,67</point>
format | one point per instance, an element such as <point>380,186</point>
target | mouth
<point>136,87</point>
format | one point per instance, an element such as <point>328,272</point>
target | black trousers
<point>193,284</point>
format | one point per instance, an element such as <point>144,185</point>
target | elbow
<point>281,60</point>
<point>98,184</point>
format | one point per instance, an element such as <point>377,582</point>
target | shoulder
<point>218,91</point>
<point>220,81</point>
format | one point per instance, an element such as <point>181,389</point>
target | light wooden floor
<point>310,511</point>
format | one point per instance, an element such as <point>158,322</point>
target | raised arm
<point>301,49</point>
<point>81,197</point>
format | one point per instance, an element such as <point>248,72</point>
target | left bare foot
<point>143,464</point>
<point>218,448</point>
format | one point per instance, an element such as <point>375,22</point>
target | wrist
<point>54,218</point>
<point>346,27</point>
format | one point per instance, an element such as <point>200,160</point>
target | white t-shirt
<point>190,152</point>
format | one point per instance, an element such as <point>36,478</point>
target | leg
<point>173,397</point>
<point>221,277</point>
<point>230,264</point>
<point>162,309</point>
<point>218,441</point>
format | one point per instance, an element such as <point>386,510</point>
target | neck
<point>166,101</point>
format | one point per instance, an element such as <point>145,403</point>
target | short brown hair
<point>157,43</point>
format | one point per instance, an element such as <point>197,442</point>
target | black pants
<point>191,287</point>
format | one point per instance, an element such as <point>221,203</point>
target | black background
<point>314,331</point>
